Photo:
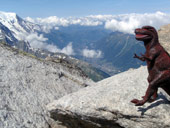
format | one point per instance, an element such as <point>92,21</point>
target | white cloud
<point>85,21</point>
<point>34,36</point>
<point>91,53</point>
<point>68,49</point>
<point>46,28</point>
<point>127,23</point>
<point>101,17</point>
<point>49,22</point>
<point>30,19</point>
<point>39,42</point>
<point>54,22</point>
<point>56,28</point>
<point>124,23</point>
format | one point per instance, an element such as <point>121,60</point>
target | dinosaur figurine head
<point>146,34</point>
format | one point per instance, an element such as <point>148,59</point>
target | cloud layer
<point>68,49</point>
<point>54,21</point>
<point>123,23</point>
<point>127,23</point>
<point>38,41</point>
<point>89,53</point>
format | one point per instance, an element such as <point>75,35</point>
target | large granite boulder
<point>28,84</point>
<point>108,105</point>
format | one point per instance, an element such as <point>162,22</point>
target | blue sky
<point>76,8</point>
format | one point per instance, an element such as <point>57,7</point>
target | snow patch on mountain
<point>28,32</point>
<point>1,37</point>
<point>17,25</point>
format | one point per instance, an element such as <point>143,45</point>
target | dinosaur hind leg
<point>153,97</point>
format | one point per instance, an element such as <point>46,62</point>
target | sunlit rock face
<point>28,84</point>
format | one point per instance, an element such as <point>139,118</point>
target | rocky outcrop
<point>28,84</point>
<point>108,105</point>
<point>164,37</point>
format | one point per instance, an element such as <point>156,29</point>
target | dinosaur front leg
<point>139,57</point>
<point>146,58</point>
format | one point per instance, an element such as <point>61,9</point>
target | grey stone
<point>107,105</point>
<point>28,84</point>
<point>164,37</point>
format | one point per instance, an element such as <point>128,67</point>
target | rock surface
<point>27,85</point>
<point>108,105</point>
<point>164,37</point>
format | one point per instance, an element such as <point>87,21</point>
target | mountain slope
<point>118,49</point>
<point>27,84</point>
<point>7,36</point>
<point>91,71</point>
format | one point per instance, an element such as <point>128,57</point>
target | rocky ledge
<point>28,84</point>
<point>108,105</point>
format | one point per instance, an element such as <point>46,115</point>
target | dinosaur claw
<point>135,55</point>
<point>135,101</point>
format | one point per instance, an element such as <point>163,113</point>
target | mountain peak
<point>17,25</point>
<point>7,15</point>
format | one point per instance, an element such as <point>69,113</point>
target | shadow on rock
<point>160,100</point>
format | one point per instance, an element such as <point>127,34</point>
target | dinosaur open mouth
<point>141,36</point>
<point>141,33</point>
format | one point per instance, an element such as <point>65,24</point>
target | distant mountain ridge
<point>6,35</point>
<point>116,49</point>
<point>17,25</point>
<point>13,29</point>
